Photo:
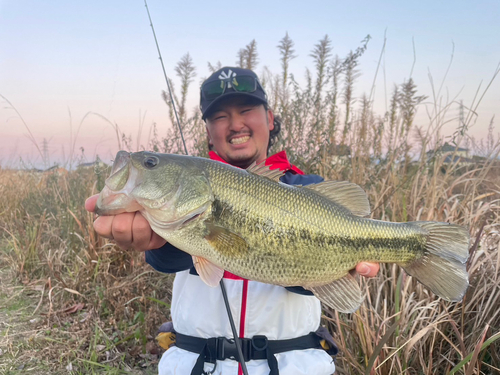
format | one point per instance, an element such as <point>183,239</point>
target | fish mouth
<point>112,203</point>
<point>116,198</point>
<point>121,160</point>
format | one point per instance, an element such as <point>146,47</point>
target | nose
<point>236,123</point>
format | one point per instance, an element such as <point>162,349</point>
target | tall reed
<point>329,129</point>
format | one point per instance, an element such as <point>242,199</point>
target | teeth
<point>239,140</point>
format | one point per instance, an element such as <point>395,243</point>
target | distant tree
<point>351,74</point>
<point>320,54</point>
<point>215,67</point>
<point>186,71</point>
<point>332,98</point>
<point>287,53</point>
<point>248,57</point>
<point>408,100</point>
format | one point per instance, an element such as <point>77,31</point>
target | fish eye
<point>150,162</point>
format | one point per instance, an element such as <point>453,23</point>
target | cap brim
<point>230,95</point>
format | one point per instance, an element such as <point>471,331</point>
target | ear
<point>270,119</point>
<point>208,136</point>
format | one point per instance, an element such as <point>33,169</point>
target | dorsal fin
<point>264,171</point>
<point>345,194</point>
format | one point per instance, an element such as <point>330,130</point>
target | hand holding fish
<point>128,230</point>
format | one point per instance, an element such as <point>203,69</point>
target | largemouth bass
<point>249,223</point>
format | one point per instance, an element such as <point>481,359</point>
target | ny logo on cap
<point>227,77</point>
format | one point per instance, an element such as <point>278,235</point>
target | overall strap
<point>258,347</point>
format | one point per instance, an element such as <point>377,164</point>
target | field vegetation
<point>71,302</point>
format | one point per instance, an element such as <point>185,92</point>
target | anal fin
<point>209,272</point>
<point>343,295</point>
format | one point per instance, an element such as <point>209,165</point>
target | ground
<point>68,342</point>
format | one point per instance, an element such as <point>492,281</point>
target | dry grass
<point>83,302</point>
<point>402,327</point>
<point>79,301</point>
<point>74,302</point>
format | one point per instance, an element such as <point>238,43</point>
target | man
<point>240,129</point>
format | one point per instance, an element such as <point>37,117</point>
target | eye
<point>150,162</point>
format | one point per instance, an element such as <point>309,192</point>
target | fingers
<point>156,242</point>
<point>90,203</point>
<point>128,230</point>
<point>102,225</point>
<point>121,229</point>
<point>116,227</point>
<point>141,232</point>
<point>368,269</point>
<point>143,236</point>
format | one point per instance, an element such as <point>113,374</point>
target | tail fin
<point>443,267</point>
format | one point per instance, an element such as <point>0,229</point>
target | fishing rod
<point>241,359</point>
<point>166,79</point>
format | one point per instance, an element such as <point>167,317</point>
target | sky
<point>66,65</point>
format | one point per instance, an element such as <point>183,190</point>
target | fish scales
<point>263,230</point>
<point>280,244</point>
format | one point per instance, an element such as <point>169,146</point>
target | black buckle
<point>226,348</point>
<point>259,342</point>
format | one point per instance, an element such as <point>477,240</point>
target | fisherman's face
<point>238,129</point>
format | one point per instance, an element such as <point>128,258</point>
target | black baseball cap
<point>230,81</point>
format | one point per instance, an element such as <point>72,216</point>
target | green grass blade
<point>464,361</point>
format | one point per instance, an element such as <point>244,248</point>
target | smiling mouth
<point>239,140</point>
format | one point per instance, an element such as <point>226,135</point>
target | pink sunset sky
<point>63,62</point>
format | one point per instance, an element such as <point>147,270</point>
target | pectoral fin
<point>226,242</point>
<point>209,272</point>
<point>343,295</point>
